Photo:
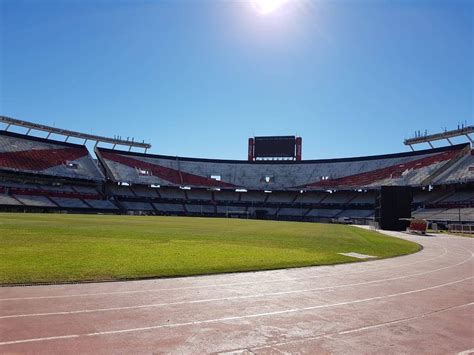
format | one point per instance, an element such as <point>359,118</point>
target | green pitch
<point>51,247</point>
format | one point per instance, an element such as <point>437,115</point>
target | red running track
<point>420,303</point>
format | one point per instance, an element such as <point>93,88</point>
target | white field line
<point>232,318</point>
<point>220,285</point>
<point>269,294</point>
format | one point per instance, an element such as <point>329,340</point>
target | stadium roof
<point>67,133</point>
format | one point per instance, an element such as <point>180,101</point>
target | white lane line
<point>225,319</point>
<point>258,295</point>
<point>370,327</point>
<point>219,285</point>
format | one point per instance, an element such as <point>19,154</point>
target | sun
<point>267,6</point>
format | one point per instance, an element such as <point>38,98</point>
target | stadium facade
<point>39,174</point>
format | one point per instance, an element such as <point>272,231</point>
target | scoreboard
<point>287,147</point>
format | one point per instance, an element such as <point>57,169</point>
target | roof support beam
<point>63,132</point>
<point>446,135</point>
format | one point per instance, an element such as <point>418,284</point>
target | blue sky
<point>197,78</point>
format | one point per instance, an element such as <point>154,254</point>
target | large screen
<point>273,147</point>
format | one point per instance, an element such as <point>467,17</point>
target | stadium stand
<point>27,154</point>
<point>231,209</point>
<point>199,194</point>
<point>102,204</point>
<point>35,201</point>
<point>7,200</point>
<point>169,207</point>
<point>461,172</point>
<point>117,190</point>
<point>44,174</point>
<point>253,196</point>
<point>412,168</point>
<point>310,197</point>
<point>281,197</point>
<point>225,195</point>
<point>172,193</point>
<point>200,209</point>
<point>327,213</point>
<point>144,191</point>
<point>446,214</point>
<point>137,206</point>
<point>69,202</point>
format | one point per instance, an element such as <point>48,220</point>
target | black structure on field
<point>393,203</point>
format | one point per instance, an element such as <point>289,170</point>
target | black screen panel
<point>272,147</point>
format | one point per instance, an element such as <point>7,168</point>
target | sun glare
<point>267,6</point>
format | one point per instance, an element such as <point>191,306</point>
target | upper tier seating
<point>462,171</point>
<point>419,168</point>
<point>27,154</point>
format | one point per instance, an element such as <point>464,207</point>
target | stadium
<point>118,215</point>
<point>42,175</point>
<point>236,177</point>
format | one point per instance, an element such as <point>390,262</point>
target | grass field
<point>52,247</point>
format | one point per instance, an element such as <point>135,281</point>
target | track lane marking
<point>258,295</point>
<point>220,285</point>
<point>370,327</point>
<point>225,319</point>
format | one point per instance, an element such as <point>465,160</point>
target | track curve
<point>421,303</point>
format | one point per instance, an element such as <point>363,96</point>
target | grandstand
<point>40,174</point>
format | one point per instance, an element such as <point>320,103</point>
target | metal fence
<point>461,228</point>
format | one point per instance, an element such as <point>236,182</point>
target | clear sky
<point>198,77</point>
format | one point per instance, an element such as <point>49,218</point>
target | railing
<point>461,228</point>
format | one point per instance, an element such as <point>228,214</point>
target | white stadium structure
<point>42,174</point>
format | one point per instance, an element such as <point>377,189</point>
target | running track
<point>420,303</point>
